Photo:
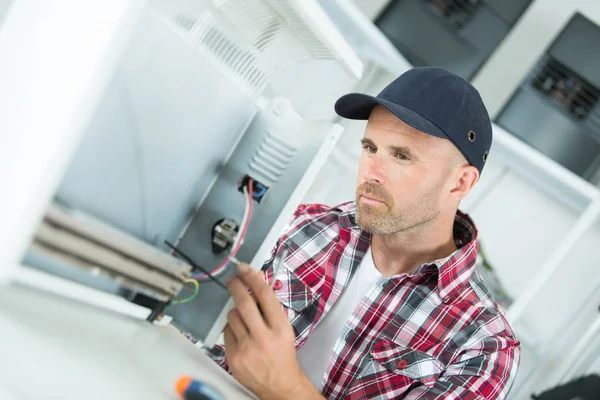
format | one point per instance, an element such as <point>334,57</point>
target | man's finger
<point>237,325</point>
<point>229,339</point>
<point>265,296</point>
<point>246,306</point>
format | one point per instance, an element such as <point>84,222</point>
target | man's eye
<point>402,157</point>
<point>369,149</point>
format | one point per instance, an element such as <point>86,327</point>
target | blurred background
<point>201,93</point>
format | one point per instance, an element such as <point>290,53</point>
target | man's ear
<point>465,177</point>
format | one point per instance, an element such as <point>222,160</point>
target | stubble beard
<point>384,219</point>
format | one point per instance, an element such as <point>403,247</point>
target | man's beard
<point>385,220</point>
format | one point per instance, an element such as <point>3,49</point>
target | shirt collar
<point>347,216</point>
<point>453,271</point>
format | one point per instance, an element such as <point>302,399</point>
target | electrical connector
<point>224,233</point>
<point>259,190</point>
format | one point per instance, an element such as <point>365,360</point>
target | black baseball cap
<point>434,101</point>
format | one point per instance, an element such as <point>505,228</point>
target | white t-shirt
<point>313,356</point>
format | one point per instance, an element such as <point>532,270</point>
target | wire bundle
<point>192,296</point>
<point>248,191</point>
<point>248,196</point>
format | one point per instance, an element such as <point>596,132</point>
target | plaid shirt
<point>433,334</point>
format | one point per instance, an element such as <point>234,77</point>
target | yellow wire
<point>193,296</point>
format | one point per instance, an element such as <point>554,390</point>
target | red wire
<point>242,233</point>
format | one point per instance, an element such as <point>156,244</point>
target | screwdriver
<point>190,389</point>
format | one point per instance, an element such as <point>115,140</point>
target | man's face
<point>403,178</point>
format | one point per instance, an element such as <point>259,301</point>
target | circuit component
<point>224,233</point>
<point>259,190</point>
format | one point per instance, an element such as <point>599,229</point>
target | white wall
<point>371,8</point>
<point>595,369</point>
<point>4,5</point>
<point>542,22</point>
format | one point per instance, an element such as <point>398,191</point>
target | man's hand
<point>259,341</point>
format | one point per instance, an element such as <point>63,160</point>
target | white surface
<point>54,348</point>
<point>503,72</point>
<point>519,226</point>
<point>328,33</point>
<point>61,55</point>
<point>4,7</point>
<point>595,368</point>
<point>364,36</point>
<point>556,258</point>
<point>5,395</point>
<point>580,351</point>
<point>561,313</point>
<point>371,8</point>
<point>39,280</point>
<point>314,355</point>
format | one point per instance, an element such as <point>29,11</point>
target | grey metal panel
<point>485,31</point>
<point>591,122</point>
<point>167,121</point>
<point>224,200</point>
<point>577,48</point>
<point>509,10</point>
<point>536,121</point>
<point>426,39</point>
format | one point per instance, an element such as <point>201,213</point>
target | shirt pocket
<point>292,293</point>
<point>411,363</point>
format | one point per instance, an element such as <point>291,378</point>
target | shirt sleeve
<point>217,354</point>
<point>485,369</point>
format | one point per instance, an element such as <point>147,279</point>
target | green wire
<point>193,296</point>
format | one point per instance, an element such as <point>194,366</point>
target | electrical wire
<point>248,192</point>
<point>192,296</point>
<point>192,263</point>
<point>239,239</point>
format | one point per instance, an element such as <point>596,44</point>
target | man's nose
<point>375,172</point>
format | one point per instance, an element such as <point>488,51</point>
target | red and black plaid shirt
<point>433,334</point>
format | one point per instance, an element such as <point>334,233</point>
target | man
<point>380,296</point>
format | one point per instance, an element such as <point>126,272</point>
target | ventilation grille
<point>568,91</point>
<point>272,157</point>
<point>275,28</point>
<point>457,12</point>
<point>249,40</point>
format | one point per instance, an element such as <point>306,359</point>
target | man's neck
<point>405,251</point>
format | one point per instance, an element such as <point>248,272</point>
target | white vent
<point>237,58</point>
<point>249,40</point>
<point>272,157</point>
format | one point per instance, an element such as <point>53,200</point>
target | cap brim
<point>359,106</point>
